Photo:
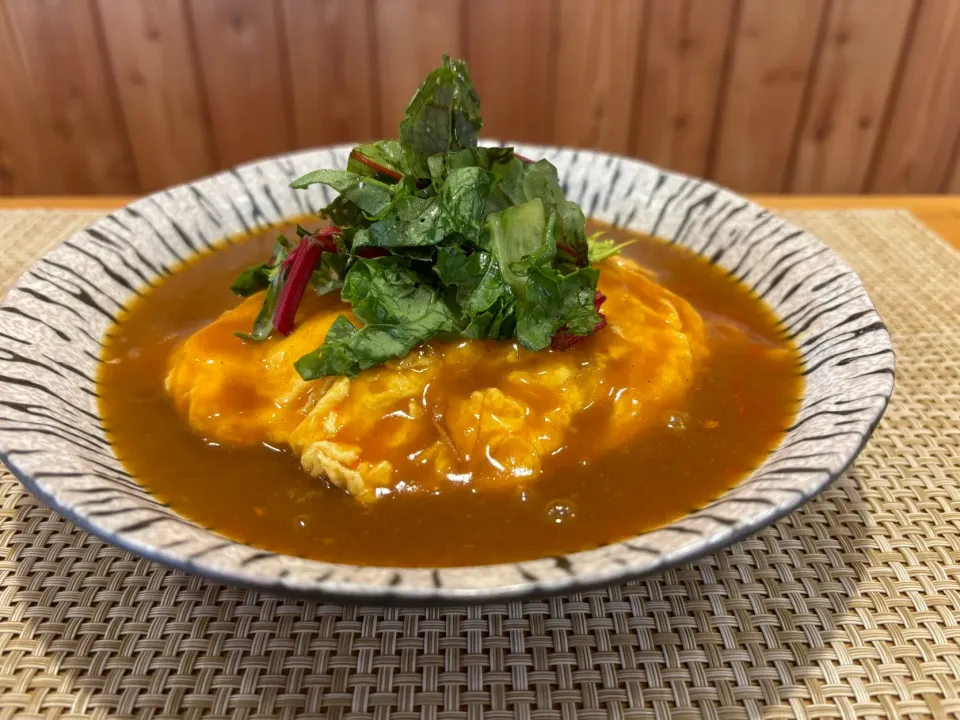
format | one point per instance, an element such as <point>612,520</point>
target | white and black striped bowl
<point>53,322</point>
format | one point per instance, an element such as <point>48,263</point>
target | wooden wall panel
<point>120,96</point>
<point>78,119</point>
<point>849,91</point>
<point>332,70</point>
<point>683,74</point>
<point>924,125</point>
<point>23,167</point>
<point>411,37</point>
<point>510,48</point>
<point>244,74</point>
<point>597,60</point>
<point>953,184</point>
<point>774,46</point>
<point>155,74</point>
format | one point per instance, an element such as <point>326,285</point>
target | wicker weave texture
<point>849,608</point>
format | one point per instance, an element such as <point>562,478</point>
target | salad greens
<point>434,236</point>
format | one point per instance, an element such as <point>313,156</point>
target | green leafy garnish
<point>371,196</point>
<point>518,235</point>
<point>329,273</point>
<point>434,236</point>
<point>252,280</point>
<point>442,117</point>
<point>399,312</point>
<point>487,306</point>
<point>265,276</point>
<point>600,248</point>
<point>259,277</point>
<point>382,160</point>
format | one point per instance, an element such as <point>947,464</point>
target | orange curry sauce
<point>735,411</point>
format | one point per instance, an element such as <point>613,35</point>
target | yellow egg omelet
<point>482,412</point>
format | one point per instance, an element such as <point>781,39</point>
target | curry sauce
<point>682,414</point>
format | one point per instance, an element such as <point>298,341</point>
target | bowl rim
<point>536,577</point>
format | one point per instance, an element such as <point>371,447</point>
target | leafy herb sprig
<point>434,236</point>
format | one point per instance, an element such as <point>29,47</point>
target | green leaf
<point>443,116</point>
<point>416,222</point>
<point>371,196</point>
<point>275,275</point>
<point>412,222</point>
<point>443,164</point>
<point>257,278</point>
<point>463,202</point>
<point>329,274</point>
<point>477,278</point>
<point>485,300</point>
<point>511,174</point>
<point>334,357</point>
<point>491,157</point>
<point>399,313</point>
<point>252,280</point>
<point>423,253</point>
<point>263,323</point>
<point>498,323</point>
<point>553,301</point>
<point>540,180</point>
<point>601,248</point>
<point>388,290</point>
<point>495,159</point>
<point>516,235</point>
<point>386,153</point>
<point>344,213</point>
<point>348,351</point>
<point>522,182</point>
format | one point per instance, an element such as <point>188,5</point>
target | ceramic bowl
<point>53,322</point>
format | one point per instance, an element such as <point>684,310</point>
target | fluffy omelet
<point>481,412</point>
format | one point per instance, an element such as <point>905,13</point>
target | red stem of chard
<point>299,267</point>
<point>377,167</point>
<point>564,340</point>
<point>581,262</point>
<point>324,237</point>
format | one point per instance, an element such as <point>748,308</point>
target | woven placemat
<point>848,608</point>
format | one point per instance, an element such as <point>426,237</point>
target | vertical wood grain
<point>243,68</point>
<point>23,168</point>
<point>411,35</point>
<point>849,93</point>
<point>924,126</point>
<point>598,51</point>
<point>686,48</point>
<point>115,96</point>
<point>332,70</point>
<point>78,118</point>
<point>156,77</point>
<point>953,182</point>
<point>509,46</point>
<point>773,51</point>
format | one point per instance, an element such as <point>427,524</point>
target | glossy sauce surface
<point>599,485</point>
